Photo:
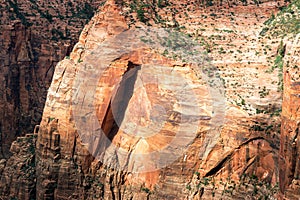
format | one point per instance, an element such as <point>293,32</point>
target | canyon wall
<point>167,100</point>
<point>18,174</point>
<point>35,35</point>
<point>285,27</point>
<point>290,127</point>
<point>232,152</point>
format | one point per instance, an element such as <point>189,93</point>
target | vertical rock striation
<point>34,37</point>
<point>290,131</point>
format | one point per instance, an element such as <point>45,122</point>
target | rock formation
<point>186,109</point>
<point>290,125</point>
<point>287,62</point>
<point>18,177</point>
<point>247,143</point>
<point>35,35</point>
<point>289,142</point>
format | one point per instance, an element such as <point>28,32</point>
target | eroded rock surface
<point>244,153</point>
<point>35,36</point>
<point>215,123</point>
<point>290,131</point>
<point>18,177</point>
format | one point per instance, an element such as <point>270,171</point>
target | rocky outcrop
<point>287,63</point>
<point>35,35</point>
<point>18,177</point>
<point>107,115</point>
<point>290,131</point>
<point>165,100</point>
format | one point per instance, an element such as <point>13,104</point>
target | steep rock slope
<point>35,35</point>
<point>290,131</point>
<point>290,148</point>
<point>232,158</point>
<point>285,26</point>
<point>18,177</point>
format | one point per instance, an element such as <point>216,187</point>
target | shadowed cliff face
<point>136,113</point>
<point>35,35</point>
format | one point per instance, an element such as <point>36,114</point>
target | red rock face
<point>238,148</point>
<point>18,175</point>
<point>290,131</point>
<point>35,35</point>
<point>122,96</point>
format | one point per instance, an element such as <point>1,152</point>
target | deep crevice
<point>219,166</point>
<point>119,103</point>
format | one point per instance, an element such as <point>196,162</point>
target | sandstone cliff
<point>235,144</point>
<point>290,125</point>
<point>187,109</point>
<point>286,27</point>
<point>35,35</point>
<point>18,174</point>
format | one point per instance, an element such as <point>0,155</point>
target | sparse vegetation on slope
<point>285,23</point>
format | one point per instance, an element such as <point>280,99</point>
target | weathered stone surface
<point>34,37</point>
<point>247,144</point>
<point>290,131</point>
<point>109,82</point>
<point>18,177</point>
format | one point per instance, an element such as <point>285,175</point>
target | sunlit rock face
<point>171,100</point>
<point>125,120</point>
